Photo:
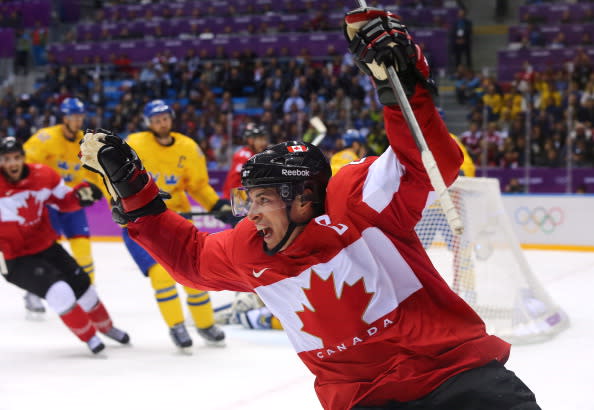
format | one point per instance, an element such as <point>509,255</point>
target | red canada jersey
<point>25,227</point>
<point>233,179</point>
<point>356,293</point>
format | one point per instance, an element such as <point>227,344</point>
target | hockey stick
<point>3,268</point>
<point>319,126</point>
<point>216,214</point>
<point>439,185</point>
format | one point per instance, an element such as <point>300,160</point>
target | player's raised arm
<point>378,39</point>
<point>72,199</point>
<point>169,237</point>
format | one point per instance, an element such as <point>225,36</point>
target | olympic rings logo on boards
<point>539,219</point>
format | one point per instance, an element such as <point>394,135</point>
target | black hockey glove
<point>131,187</point>
<point>87,193</point>
<point>377,39</point>
<point>222,211</point>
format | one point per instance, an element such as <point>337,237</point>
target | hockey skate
<point>33,303</point>
<point>118,335</point>
<point>179,335</point>
<point>213,336</point>
<point>95,344</point>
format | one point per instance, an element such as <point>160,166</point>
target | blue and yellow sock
<point>166,295</point>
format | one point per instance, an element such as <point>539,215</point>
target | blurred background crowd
<point>278,63</point>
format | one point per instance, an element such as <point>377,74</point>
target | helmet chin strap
<point>290,229</point>
<point>283,241</point>
<point>278,246</point>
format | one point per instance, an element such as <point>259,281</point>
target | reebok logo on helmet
<point>295,172</point>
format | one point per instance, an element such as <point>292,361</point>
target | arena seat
<point>552,12</point>
<point>285,44</point>
<point>261,24</point>
<point>7,42</point>
<point>242,7</point>
<point>573,32</point>
<point>31,11</point>
<point>510,62</point>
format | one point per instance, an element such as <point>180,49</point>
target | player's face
<point>260,143</point>
<point>74,122</point>
<point>268,212</point>
<point>12,164</point>
<point>161,124</point>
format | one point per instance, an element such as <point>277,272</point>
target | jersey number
<point>359,161</point>
<point>324,220</point>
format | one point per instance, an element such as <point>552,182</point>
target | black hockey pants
<point>37,273</point>
<point>490,387</point>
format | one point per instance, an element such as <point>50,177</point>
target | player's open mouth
<point>13,172</point>
<point>265,233</point>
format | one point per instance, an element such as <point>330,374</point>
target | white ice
<point>43,366</point>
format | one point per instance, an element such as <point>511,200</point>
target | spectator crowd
<point>204,94</point>
<point>541,118</point>
<point>544,116</point>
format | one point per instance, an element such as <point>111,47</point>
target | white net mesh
<point>486,266</point>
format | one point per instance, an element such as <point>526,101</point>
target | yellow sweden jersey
<point>177,169</point>
<point>341,158</point>
<point>467,168</point>
<point>49,146</point>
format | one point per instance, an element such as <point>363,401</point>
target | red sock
<point>100,318</point>
<point>78,322</point>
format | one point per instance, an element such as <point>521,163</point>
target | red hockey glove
<point>87,193</point>
<point>130,185</point>
<point>377,39</point>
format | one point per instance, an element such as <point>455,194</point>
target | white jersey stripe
<point>383,180</point>
<point>60,190</point>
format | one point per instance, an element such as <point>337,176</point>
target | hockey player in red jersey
<point>337,260</point>
<point>30,257</point>
<point>256,140</point>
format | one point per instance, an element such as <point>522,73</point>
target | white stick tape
<point>3,268</point>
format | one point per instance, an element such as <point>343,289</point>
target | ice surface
<point>43,366</point>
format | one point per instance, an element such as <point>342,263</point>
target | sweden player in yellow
<point>354,150</point>
<point>467,169</point>
<point>58,148</point>
<point>178,166</point>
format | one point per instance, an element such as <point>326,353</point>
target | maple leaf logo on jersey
<point>30,212</point>
<point>335,317</point>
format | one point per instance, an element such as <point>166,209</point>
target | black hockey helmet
<point>290,162</point>
<point>252,131</point>
<point>11,144</point>
<point>289,167</point>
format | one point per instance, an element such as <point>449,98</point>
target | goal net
<point>486,266</point>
